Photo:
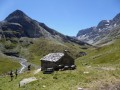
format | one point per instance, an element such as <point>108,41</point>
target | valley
<point>99,70</point>
<point>24,41</point>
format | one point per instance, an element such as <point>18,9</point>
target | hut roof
<point>53,57</point>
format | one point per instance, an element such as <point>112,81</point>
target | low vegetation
<point>7,64</point>
<point>34,49</point>
<point>42,47</point>
<point>98,70</point>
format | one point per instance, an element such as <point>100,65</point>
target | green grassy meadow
<point>42,47</point>
<point>98,70</point>
<point>7,64</point>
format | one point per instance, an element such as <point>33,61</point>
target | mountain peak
<point>16,14</point>
<point>105,30</point>
<point>103,24</point>
<point>19,12</point>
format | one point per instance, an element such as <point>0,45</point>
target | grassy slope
<point>7,64</point>
<point>65,80</point>
<point>34,49</point>
<point>104,55</point>
<point>42,47</point>
<point>107,57</point>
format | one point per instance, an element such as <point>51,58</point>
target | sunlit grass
<point>100,68</point>
<point>7,64</point>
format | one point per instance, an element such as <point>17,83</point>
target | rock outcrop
<point>18,25</point>
<point>102,30</point>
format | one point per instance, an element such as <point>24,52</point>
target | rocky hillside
<point>21,36</point>
<point>24,26</point>
<point>102,31</point>
<point>18,25</point>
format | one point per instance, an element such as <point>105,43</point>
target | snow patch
<point>108,21</point>
<point>107,24</point>
<point>90,41</point>
<point>115,25</point>
<point>82,37</point>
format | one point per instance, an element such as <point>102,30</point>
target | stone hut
<point>57,61</point>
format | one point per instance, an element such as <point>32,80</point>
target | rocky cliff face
<point>18,25</point>
<point>116,20</point>
<point>30,27</point>
<point>102,30</point>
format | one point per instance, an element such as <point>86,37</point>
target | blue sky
<point>65,16</point>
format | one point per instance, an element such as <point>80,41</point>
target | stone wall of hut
<point>64,61</point>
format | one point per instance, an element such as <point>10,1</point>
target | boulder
<point>26,81</point>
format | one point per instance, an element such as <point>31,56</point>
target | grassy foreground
<point>66,80</point>
<point>99,70</point>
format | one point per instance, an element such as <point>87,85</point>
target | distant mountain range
<point>18,24</point>
<point>104,31</point>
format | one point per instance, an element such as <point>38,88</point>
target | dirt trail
<point>24,64</point>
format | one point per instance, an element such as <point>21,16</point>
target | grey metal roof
<point>53,57</point>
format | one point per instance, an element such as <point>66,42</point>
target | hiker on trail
<point>29,67</point>
<point>16,73</point>
<point>11,75</point>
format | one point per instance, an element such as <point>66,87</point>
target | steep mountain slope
<point>22,36</point>
<point>18,24</point>
<point>31,28</point>
<point>103,30</point>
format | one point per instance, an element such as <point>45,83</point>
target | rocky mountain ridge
<point>93,35</point>
<point>18,24</point>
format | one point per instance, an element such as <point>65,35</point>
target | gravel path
<point>24,64</point>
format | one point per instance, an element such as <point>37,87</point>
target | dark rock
<point>82,54</point>
<point>18,24</point>
<point>12,30</point>
<point>103,24</point>
<point>116,20</point>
